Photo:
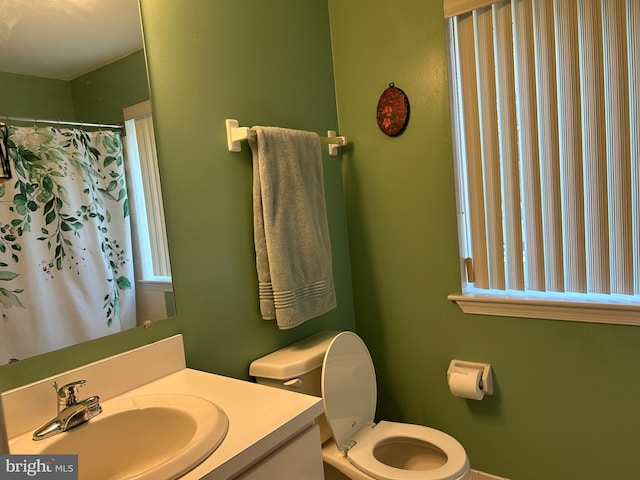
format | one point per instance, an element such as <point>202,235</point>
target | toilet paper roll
<point>466,384</point>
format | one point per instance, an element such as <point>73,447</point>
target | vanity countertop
<point>260,418</point>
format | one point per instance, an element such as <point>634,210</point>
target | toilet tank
<point>296,367</point>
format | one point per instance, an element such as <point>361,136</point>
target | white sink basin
<point>144,437</point>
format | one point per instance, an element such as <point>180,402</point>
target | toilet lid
<point>348,387</point>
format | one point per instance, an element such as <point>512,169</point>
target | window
<point>145,195</point>
<point>546,121</point>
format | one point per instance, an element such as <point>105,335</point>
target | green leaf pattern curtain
<point>66,270</point>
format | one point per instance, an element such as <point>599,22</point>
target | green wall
<point>208,62</point>
<point>99,96</point>
<point>566,401</point>
<point>27,96</point>
<point>262,63</point>
<point>566,395</point>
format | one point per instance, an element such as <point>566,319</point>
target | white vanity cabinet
<point>298,459</point>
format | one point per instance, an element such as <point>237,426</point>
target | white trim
<point>592,312</point>
<point>137,110</point>
<point>157,281</point>
<point>478,475</point>
<point>457,7</point>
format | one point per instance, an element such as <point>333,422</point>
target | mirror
<point>79,61</point>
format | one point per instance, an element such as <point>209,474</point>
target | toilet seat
<point>362,456</point>
<point>349,395</point>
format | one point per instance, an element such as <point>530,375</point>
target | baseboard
<point>477,475</point>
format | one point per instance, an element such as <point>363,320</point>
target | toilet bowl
<point>355,446</point>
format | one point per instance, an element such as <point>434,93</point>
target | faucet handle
<point>67,394</point>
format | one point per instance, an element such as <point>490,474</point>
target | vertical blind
<point>147,191</point>
<point>546,108</point>
<point>153,196</point>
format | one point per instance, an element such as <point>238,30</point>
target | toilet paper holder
<point>461,366</point>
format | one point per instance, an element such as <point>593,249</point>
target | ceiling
<point>66,38</point>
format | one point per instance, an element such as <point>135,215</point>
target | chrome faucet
<point>71,411</point>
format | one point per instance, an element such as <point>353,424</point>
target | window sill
<point>592,312</point>
<point>157,281</point>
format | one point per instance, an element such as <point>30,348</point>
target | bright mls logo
<point>50,467</point>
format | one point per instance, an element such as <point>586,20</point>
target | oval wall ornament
<point>392,113</point>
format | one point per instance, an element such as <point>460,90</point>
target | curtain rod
<point>59,122</point>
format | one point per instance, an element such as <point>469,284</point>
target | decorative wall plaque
<point>392,113</point>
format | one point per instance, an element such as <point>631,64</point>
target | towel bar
<point>236,134</point>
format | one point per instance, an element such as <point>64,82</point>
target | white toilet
<point>338,367</point>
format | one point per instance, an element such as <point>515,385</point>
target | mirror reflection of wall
<point>97,95</point>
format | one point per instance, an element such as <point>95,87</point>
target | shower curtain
<point>66,270</point>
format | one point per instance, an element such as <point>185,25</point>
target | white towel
<point>291,233</point>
